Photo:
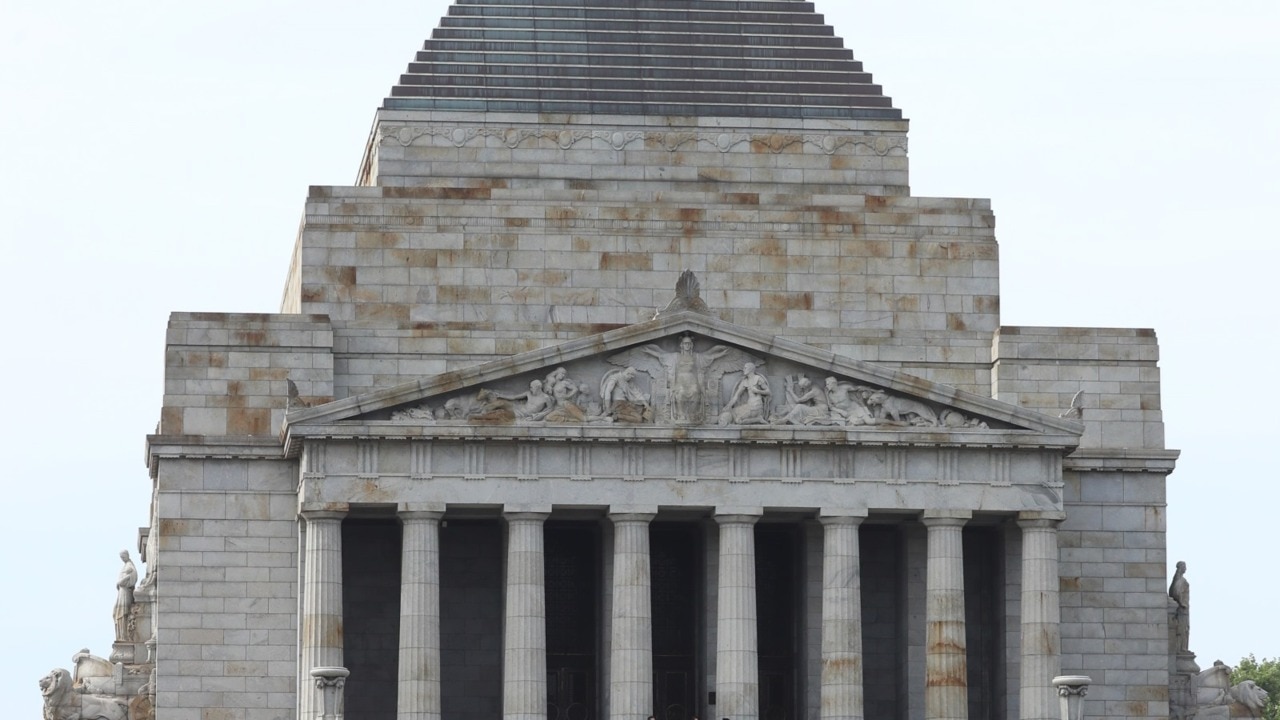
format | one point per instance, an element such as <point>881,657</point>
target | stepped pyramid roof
<point>683,58</point>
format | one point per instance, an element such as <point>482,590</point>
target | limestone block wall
<point>1042,368</point>
<point>227,591</point>
<point>1112,569</point>
<point>415,148</point>
<point>427,279</point>
<point>226,373</point>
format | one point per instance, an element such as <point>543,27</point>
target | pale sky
<point>155,157</point>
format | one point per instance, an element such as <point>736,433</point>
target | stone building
<point>498,455</point>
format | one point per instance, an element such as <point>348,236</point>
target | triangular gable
<point>901,401</point>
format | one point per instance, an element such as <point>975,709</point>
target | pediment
<point>685,372</point>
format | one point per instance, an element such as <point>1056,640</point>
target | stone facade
<point>370,479</point>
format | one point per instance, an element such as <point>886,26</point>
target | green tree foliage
<point>1266,673</point>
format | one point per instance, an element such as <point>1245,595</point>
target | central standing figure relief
<point>686,382</point>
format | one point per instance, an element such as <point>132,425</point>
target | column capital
<point>832,516</point>
<point>737,515</point>
<point>945,518</point>
<point>323,511</point>
<point>419,511</point>
<point>525,516</point>
<point>631,517</point>
<point>1040,519</point>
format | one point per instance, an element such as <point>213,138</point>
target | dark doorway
<point>882,559</point>
<point>984,621</point>
<point>371,615</point>
<point>573,598</point>
<point>471,584</point>
<point>675,569</point>
<point>777,623</point>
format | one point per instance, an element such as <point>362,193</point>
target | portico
<point>641,569</point>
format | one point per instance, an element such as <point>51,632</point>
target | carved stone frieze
<point>684,381</point>
<point>671,141</point>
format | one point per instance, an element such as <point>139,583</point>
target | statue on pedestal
<point>1180,623</point>
<point>126,581</point>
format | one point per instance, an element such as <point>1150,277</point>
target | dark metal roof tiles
<point>753,58</point>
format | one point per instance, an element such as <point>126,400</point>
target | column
<point>737,671</point>
<point>946,691</point>
<point>631,646</point>
<point>418,696</point>
<point>524,664</point>
<point>321,620</point>
<point>1041,637</point>
<point>841,618</point>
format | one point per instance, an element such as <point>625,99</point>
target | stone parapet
<point>228,373</point>
<point>1113,370</point>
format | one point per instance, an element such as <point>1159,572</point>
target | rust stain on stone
<point>171,527</point>
<point>786,300</point>
<point>516,222</point>
<point>479,193</point>
<point>742,198</point>
<point>842,665</point>
<point>249,421</point>
<point>378,240</point>
<point>344,275</point>
<point>412,258</point>
<point>955,321</point>
<point>372,492</point>
<point>625,261</point>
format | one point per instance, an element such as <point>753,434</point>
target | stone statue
<point>688,380</point>
<point>126,581</point>
<point>846,405</point>
<point>1180,623</point>
<point>749,402</point>
<point>808,405</point>
<point>417,412</point>
<point>1217,698</point>
<point>572,400</point>
<point>92,674</point>
<point>623,399</point>
<point>901,410</point>
<point>533,405</point>
<point>688,297</point>
<point>61,702</point>
<point>1076,411</point>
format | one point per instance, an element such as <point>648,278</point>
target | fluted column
<point>1041,637</point>
<point>841,619</point>
<point>321,597</point>
<point>946,691</point>
<point>631,646</point>
<point>418,695</point>
<point>737,671</point>
<point>524,664</point>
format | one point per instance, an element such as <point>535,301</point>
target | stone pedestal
<point>1071,692</point>
<point>331,683</point>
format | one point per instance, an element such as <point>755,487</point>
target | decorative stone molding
<point>618,140</point>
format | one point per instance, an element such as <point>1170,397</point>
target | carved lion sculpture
<point>1248,700</point>
<point>900,409</point>
<point>61,702</point>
